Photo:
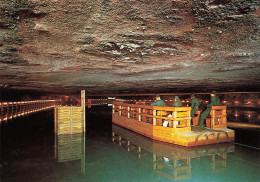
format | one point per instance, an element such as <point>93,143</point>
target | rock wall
<point>123,45</point>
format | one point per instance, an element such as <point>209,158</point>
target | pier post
<point>19,109</point>
<point>154,119</point>
<point>224,112</point>
<point>55,120</point>
<point>113,110</point>
<point>213,118</point>
<point>16,109</point>
<point>120,111</point>
<point>25,107</point>
<point>83,104</point>
<point>2,112</point>
<point>189,123</point>
<point>7,111</point>
<point>71,120</point>
<point>174,115</point>
<point>12,110</point>
<point>139,116</point>
<point>128,112</point>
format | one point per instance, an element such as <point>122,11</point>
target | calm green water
<point>31,152</point>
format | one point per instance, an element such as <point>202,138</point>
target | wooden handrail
<point>154,114</point>
<point>9,110</point>
<point>154,107</point>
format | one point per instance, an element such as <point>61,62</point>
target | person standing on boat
<point>177,102</point>
<point>194,105</point>
<point>215,101</point>
<point>158,101</point>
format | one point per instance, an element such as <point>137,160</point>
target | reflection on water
<point>31,152</point>
<point>171,161</point>
<point>70,147</point>
<point>243,116</point>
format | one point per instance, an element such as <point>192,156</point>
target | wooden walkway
<point>10,110</point>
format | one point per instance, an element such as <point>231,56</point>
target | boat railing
<point>177,117</point>
<point>217,117</point>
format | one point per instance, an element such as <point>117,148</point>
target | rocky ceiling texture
<point>107,46</point>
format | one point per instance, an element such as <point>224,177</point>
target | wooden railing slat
<point>147,113</point>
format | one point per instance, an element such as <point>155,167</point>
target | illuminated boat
<point>150,121</point>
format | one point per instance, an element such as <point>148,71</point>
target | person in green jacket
<point>158,101</point>
<point>194,105</point>
<point>177,102</point>
<point>215,101</point>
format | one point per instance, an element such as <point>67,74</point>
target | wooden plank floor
<point>207,130</point>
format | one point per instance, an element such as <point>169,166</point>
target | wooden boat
<point>148,121</point>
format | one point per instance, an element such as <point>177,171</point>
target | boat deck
<point>205,136</point>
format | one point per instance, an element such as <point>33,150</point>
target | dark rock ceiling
<point>108,46</point>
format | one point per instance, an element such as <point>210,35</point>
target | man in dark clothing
<point>194,105</point>
<point>177,102</point>
<point>215,101</point>
<point>158,101</point>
